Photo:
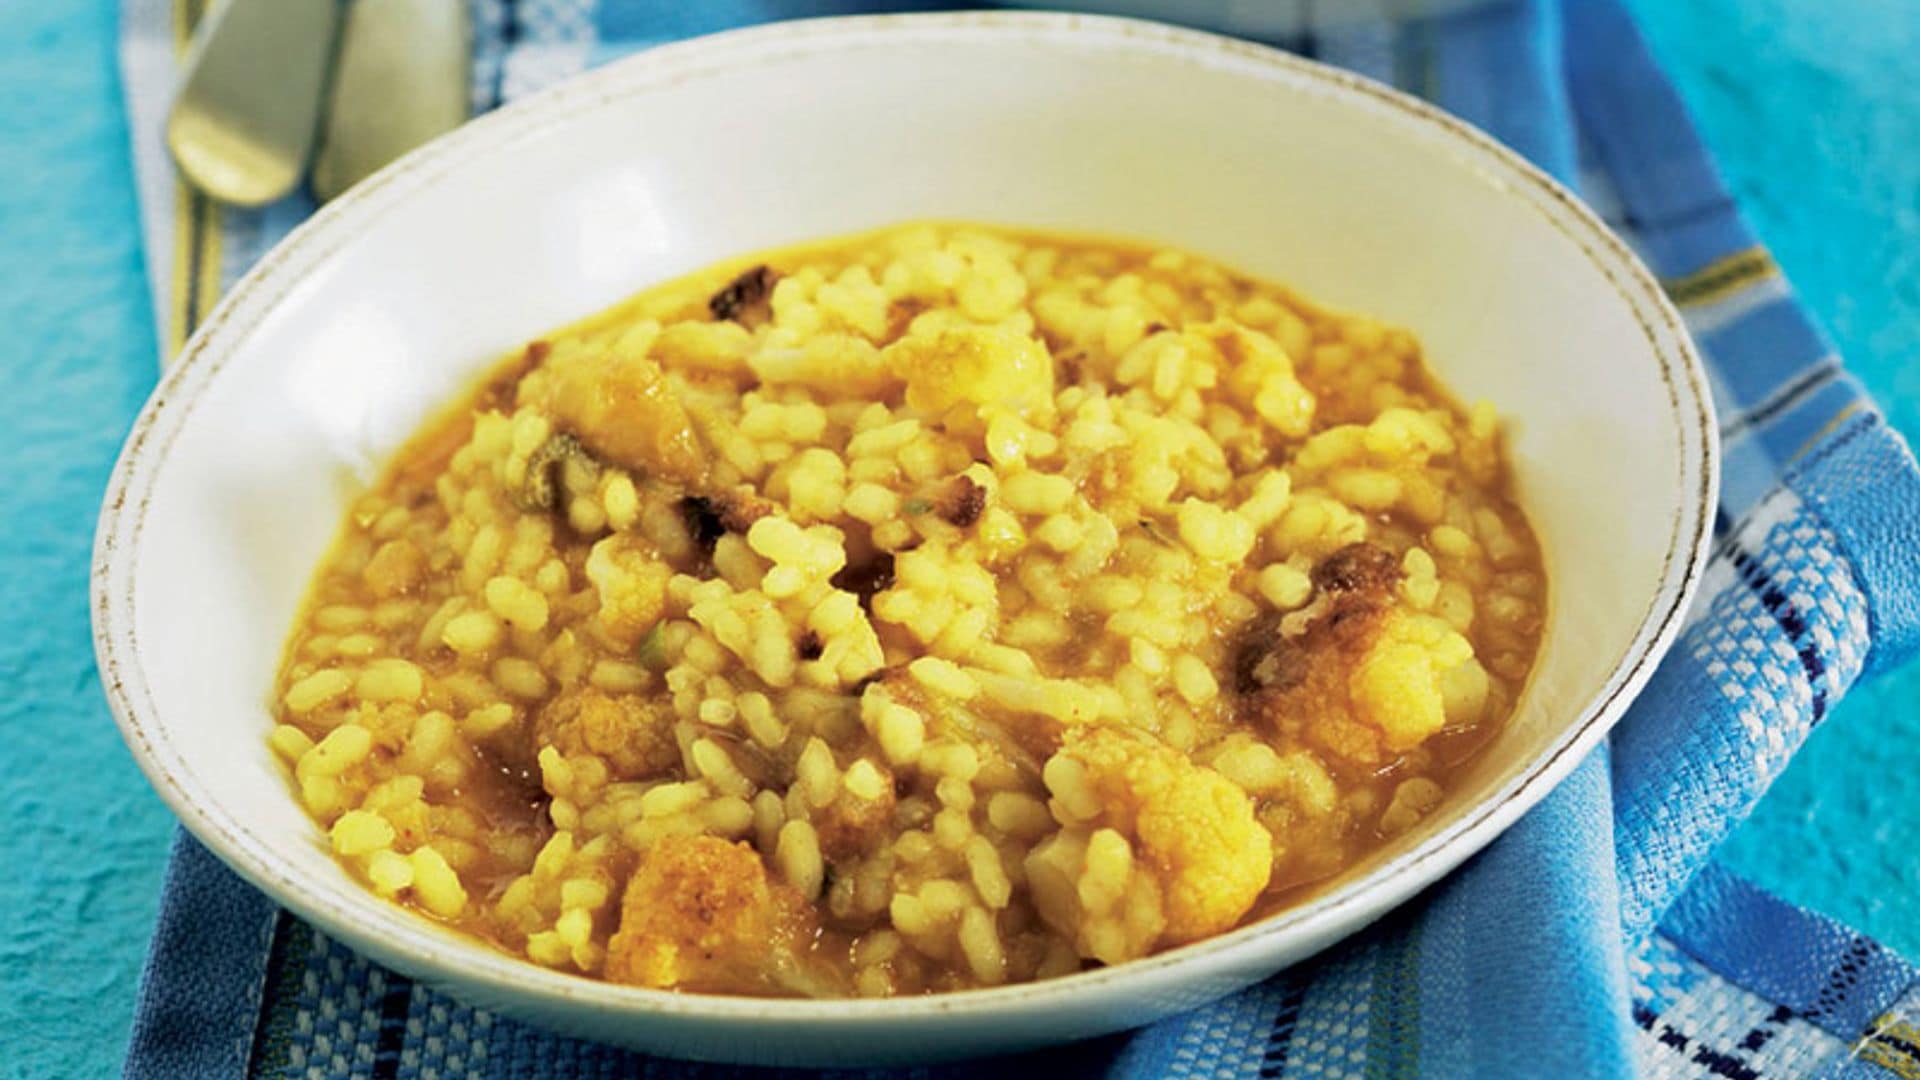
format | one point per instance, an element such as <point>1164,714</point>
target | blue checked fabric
<point>1595,938</point>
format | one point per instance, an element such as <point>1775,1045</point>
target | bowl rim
<point>379,925</point>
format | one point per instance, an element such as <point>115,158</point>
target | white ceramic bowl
<point>391,299</point>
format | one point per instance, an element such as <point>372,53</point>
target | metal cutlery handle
<point>401,79</point>
<point>243,125</point>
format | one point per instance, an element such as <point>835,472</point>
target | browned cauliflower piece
<point>700,914</point>
<point>851,826</point>
<point>632,733</point>
<point>623,409</point>
<point>1194,827</point>
<point>1364,679</point>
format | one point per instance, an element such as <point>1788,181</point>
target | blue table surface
<point>1811,108</point>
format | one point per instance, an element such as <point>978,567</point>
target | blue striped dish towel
<point>1596,938</point>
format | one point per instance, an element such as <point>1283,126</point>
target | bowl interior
<point>349,336</point>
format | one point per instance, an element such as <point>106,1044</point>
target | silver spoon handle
<point>401,79</point>
<point>243,125</point>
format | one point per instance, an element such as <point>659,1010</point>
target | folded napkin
<point>1596,937</point>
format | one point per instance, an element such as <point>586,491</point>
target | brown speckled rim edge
<point>361,918</point>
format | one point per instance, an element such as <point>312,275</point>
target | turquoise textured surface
<point>1807,106</point>
<point>1814,116</point>
<point>82,837</point>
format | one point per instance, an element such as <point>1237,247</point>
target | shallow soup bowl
<point>396,297</point>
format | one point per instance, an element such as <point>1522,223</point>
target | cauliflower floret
<point>624,410</point>
<point>632,733</point>
<point>1259,371</point>
<point>829,364</point>
<point>1398,684</point>
<point>1193,828</point>
<point>631,578</point>
<point>395,568</point>
<point>700,913</point>
<point>1090,888</point>
<point>974,366</point>
<point>717,347</point>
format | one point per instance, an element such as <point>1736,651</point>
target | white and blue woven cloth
<point>1596,938</point>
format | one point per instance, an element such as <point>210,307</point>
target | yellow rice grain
<point>316,690</point>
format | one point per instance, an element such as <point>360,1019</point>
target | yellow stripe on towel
<point>194,283</point>
<point>1890,1044</point>
<point>1722,278</point>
